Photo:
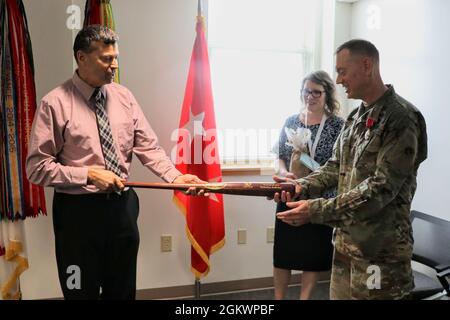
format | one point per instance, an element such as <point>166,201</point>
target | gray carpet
<point>423,284</point>
<point>321,293</point>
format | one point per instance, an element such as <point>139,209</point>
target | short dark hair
<point>323,78</point>
<point>94,32</point>
<point>361,47</point>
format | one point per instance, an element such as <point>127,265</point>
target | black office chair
<point>432,249</point>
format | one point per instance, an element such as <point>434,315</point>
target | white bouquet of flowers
<point>298,139</point>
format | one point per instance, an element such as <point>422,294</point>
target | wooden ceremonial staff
<point>258,189</point>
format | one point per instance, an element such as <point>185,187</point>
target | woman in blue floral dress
<point>309,247</point>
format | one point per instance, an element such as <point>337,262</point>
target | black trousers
<point>97,241</point>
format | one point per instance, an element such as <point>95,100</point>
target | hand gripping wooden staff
<point>259,189</point>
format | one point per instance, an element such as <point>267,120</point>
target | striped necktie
<point>106,138</point>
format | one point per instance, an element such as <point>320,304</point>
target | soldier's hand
<point>298,214</point>
<point>285,196</point>
<point>105,180</point>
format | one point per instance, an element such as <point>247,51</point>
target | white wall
<point>343,27</point>
<point>156,39</point>
<point>412,37</point>
<point>342,33</point>
<point>52,52</point>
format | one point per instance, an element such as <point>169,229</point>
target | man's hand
<point>286,196</point>
<point>298,214</point>
<point>105,180</point>
<point>190,178</point>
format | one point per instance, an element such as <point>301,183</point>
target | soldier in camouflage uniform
<point>374,164</point>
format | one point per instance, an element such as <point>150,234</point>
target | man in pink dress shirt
<point>94,216</point>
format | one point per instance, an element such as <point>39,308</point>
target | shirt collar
<point>382,100</point>
<point>85,89</point>
<point>378,106</point>
<point>373,110</point>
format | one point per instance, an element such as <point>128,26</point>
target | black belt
<point>96,195</point>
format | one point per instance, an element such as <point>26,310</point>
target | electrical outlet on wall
<point>242,236</point>
<point>270,234</point>
<point>166,243</point>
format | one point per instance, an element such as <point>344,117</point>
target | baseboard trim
<point>188,291</point>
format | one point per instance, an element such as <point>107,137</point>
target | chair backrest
<point>431,239</point>
<point>432,248</point>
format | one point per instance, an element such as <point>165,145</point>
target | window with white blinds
<point>259,52</point>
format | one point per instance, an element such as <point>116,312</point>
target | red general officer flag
<point>197,153</point>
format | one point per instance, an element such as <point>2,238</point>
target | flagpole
<point>197,288</point>
<point>206,233</point>
<point>198,284</point>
